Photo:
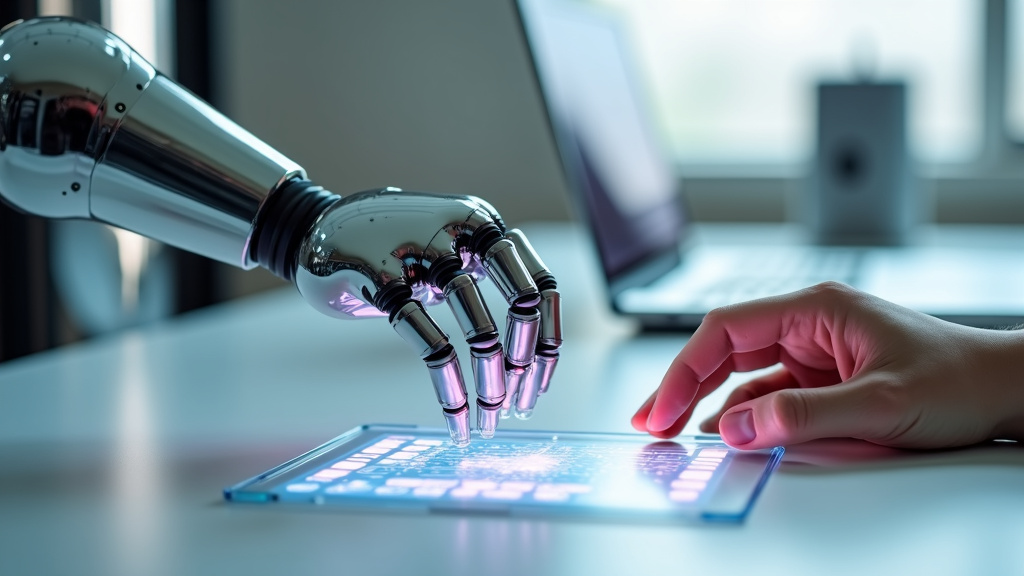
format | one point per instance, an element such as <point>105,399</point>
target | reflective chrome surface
<point>89,129</point>
<point>543,369</point>
<point>489,374</point>
<point>508,272</point>
<point>369,239</point>
<point>550,317</point>
<point>521,337</point>
<point>531,260</point>
<point>417,328</point>
<point>469,308</point>
<point>446,376</point>
<point>513,383</point>
<point>366,247</point>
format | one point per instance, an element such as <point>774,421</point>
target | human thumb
<point>850,409</point>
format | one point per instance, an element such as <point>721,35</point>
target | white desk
<point>113,455</point>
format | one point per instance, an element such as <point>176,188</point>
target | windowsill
<point>982,193</point>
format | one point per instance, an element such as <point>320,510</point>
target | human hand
<point>391,253</point>
<point>852,365</point>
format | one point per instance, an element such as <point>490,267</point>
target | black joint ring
<point>444,270</point>
<point>283,222</point>
<point>546,281</point>
<point>442,353</point>
<point>392,297</point>
<point>484,237</point>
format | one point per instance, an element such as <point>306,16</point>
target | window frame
<point>984,190</point>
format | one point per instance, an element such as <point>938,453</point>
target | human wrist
<point>1009,386</point>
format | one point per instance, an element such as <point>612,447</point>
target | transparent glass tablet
<point>616,476</point>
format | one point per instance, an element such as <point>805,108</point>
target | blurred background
<point>440,96</point>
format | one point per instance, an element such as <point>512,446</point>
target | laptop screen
<point>610,154</point>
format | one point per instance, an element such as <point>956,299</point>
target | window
<point>1015,71</point>
<point>732,81</point>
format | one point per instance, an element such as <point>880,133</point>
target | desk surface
<point>113,454</point>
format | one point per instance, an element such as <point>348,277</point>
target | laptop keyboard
<point>751,274</point>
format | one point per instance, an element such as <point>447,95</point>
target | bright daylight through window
<point>732,81</point>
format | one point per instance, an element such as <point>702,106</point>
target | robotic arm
<point>89,129</point>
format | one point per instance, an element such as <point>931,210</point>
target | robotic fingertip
<point>487,418</point>
<point>458,425</point>
<point>524,414</point>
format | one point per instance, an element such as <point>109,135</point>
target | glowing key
<point>463,493</point>
<point>479,485</point>
<point>389,444</point>
<point>683,495</point>
<point>330,474</point>
<point>695,475</point>
<point>428,492</point>
<point>403,455</point>
<point>502,494</point>
<point>438,483</point>
<point>415,448</point>
<point>301,487</point>
<point>346,465</point>
<point>428,442</point>
<point>376,450</point>
<point>390,491</point>
<point>551,496</point>
<point>517,486</point>
<point>709,453</point>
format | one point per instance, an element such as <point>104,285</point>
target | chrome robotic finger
<point>513,279</point>
<point>478,327</point>
<point>520,351</point>
<point>549,340</point>
<point>417,328</point>
<point>506,269</point>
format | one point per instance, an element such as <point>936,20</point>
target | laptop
<point>668,273</point>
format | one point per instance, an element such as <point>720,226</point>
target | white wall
<point>431,95</point>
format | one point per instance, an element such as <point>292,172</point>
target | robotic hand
<point>89,129</point>
<point>390,252</point>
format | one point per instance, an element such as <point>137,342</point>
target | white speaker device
<point>862,188</point>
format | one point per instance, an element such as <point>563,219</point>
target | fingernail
<point>738,427</point>
<point>657,423</point>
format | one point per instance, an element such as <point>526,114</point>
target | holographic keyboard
<point>550,471</point>
<point>536,473</point>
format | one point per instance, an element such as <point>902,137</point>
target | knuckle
<point>790,411</point>
<point>716,317</point>
<point>831,289</point>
